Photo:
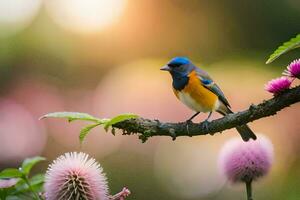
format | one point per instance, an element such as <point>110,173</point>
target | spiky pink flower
<point>6,183</point>
<point>278,85</point>
<point>293,69</point>
<point>246,161</point>
<point>75,176</point>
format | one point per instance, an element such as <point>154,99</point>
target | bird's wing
<point>208,83</point>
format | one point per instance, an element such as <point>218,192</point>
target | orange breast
<point>196,96</point>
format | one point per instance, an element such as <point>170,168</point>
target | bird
<point>197,90</point>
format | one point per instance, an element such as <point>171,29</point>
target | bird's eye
<point>174,65</point>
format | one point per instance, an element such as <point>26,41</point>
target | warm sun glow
<point>85,16</point>
<point>15,15</point>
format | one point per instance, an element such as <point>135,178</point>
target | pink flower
<point>278,85</point>
<point>75,176</point>
<point>246,161</point>
<point>6,183</point>
<point>293,70</point>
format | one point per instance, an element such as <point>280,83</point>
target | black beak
<point>165,68</point>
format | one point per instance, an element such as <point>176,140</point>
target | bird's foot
<point>205,124</point>
<point>189,121</point>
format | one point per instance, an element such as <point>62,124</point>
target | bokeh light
<point>188,168</point>
<point>20,135</point>
<point>98,142</point>
<point>139,87</point>
<point>15,15</point>
<point>40,97</point>
<point>85,16</point>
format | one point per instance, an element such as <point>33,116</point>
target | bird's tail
<point>246,133</point>
<point>244,130</point>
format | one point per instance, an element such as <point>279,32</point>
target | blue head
<point>179,68</point>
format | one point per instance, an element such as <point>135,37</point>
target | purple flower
<point>246,161</point>
<point>293,70</point>
<point>75,176</point>
<point>6,183</point>
<point>278,85</point>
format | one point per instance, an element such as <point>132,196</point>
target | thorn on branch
<point>145,136</point>
<point>252,107</point>
<point>113,131</point>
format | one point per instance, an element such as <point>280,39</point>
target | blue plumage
<point>206,81</point>
<point>180,82</point>
<point>178,61</point>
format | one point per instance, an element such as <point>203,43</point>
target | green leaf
<point>285,47</point>
<point>86,130</point>
<point>37,179</point>
<point>71,116</point>
<point>29,187</point>
<point>36,183</point>
<point>11,173</point>
<point>119,118</point>
<point>29,163</point>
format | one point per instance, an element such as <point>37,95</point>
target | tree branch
<point>148,128</point>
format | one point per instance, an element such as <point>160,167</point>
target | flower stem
<point>31,189</point>
<point>3,194</point>
<point>249,190</point>
<point>121,195</point>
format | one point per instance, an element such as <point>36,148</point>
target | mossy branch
<point>145,128</point>
<point>148,128</point>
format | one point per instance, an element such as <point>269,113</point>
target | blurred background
<point>103,57</point>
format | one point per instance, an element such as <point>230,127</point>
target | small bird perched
<point>194,88</point>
